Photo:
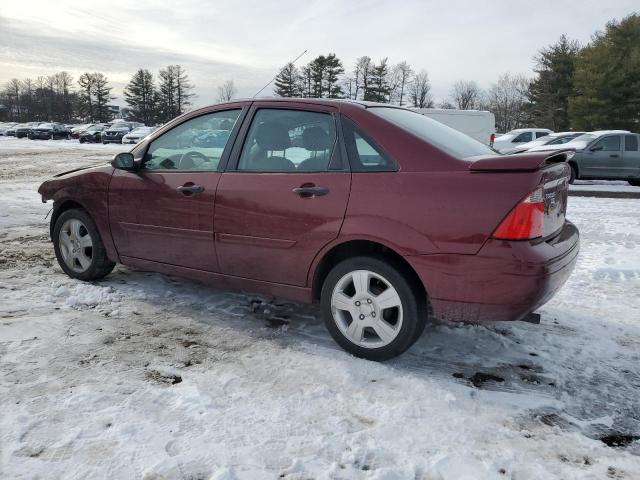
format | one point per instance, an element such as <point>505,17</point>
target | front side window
<point>609,144</point>
<point>196,144</point>
<point>541,134</point>
<point>435,133</point>
<point>288,141</point>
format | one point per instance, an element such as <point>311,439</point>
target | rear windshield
<point>437,134</point>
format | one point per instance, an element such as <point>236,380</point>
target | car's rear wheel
<point>371,309</point>
<point>78,246</point>
<point>635,183</point>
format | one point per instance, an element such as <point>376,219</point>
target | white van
<point>478,124</point>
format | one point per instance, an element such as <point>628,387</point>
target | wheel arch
<point>573,164</point>
<point>62,207</point>
<point>357,247</point>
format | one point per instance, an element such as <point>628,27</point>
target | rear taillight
<point>492,138</point>
<point>525,221</point>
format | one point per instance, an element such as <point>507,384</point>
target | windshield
<point>582,141</point>
<point>437,134</point>
<point>46,125</point>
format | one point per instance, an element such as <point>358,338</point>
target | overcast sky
<point>248,40</point>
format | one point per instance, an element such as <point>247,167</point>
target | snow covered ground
<point>151,377</point>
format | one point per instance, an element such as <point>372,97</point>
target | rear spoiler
<point>522,162</point>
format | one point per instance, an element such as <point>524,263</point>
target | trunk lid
<point>549,196</point>
<point>526,162</point>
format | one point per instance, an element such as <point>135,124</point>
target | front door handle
<point>310,191</point>
<point>189,189</point>
<point>614,155</point>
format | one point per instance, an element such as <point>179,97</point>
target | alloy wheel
<point>367,309</point>
<point>76,245</point>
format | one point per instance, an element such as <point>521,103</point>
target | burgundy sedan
<point>382,215</point>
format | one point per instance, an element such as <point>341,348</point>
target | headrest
<point>315,139</point>
<point>272,136</point>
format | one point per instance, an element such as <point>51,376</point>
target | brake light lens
<point>525,221</point>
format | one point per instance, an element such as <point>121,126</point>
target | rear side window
<point>631,143</point>
<point>288,141</point>
<point>364,154</point>
<point>541,134</point>
<point>523,137</point>
<point>435,133</point>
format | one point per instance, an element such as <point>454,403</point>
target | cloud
<point>29,52</point>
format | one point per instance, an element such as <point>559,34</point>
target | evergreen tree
<point>288,82</point>
<point>607,79</point>
<point>102,92</point>
<point>140,96</point>
<point>333,71</point>
<point>379,88</point>
<point>174,92</point>
<point>550,90</point>
<point>85,98</point>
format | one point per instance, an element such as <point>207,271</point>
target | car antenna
<point>276,75</point>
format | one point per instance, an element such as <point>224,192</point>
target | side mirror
<point>124,161</point>
<point>597,148</point>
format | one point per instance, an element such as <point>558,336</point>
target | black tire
<point>100,265</point>
<point>635,183</point>
<point>414,307</point>
<point>81,140</point>
<point>573,174</point>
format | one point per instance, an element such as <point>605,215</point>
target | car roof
<point>606,132</point>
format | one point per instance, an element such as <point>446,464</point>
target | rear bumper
<point>505,280</point>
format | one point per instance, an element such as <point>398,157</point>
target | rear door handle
<point>614,155</point>
<point>311,191</point>
<point>190,189</point>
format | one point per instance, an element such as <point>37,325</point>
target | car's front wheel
<point>78,246</point>
<point>635,183</point>
<point>371,309</point>
<point>573,174</point>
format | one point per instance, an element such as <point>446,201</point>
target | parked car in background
<point>23,129</point>
<point>93,134</point>
<point>517,137</point>
<point>478,124</point>
<point>137,134</point>
<point>557,138</point>
<point>6,126</point>
<point>115,132</point>
<point>11,131</point>
<point>78,129</point>
<point>380,213</point>
<point>49,131</point>
<point>604,154</point>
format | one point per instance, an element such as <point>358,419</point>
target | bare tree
<point>507,100</point>
<point>421,91</point>
<point>362,74</point>
<point>401,75</point>
<point>446,105</point>
<point>465,95</point>
<point>226,91</point>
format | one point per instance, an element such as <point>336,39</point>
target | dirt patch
<point>166,378</point>
<point>619,439</point>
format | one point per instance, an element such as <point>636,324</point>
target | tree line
<point>574,87</point>
<point>58,98</point>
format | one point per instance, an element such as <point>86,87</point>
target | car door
<point>603,159</point>
<point>631,156</point>
<point>285,194</point>
<point>164,211</point>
